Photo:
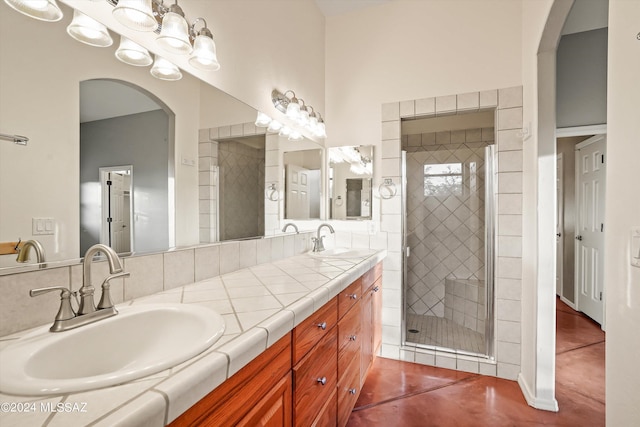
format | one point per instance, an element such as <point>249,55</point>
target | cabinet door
<point>274,410</point>
<point>366,332</point>
<point>376,315</point>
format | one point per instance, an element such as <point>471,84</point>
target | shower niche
<point>448,223</point>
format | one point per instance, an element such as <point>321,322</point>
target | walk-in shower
<point>448,227</point>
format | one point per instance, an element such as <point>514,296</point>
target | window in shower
<point>443,179</point>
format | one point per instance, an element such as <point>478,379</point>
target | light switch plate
<point>635,247</point>
<point>42,226</point>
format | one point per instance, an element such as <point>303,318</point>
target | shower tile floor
<point>442,332</point>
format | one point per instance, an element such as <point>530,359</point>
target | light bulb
<point>132,53</point>
<point>43,10</point>
<point>89,31</point>
<point>164,70</point>
<point>135,14</point>
<point>204,54</point>
<point>174,36</point>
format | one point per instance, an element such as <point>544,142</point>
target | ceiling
<point>340,7</point>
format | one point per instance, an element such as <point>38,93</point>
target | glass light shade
<point>43,10</point>
<point>295,136</point>
<point>204,54</point>
<point>89,31</point>
<point>132,53</point>
<point>174,36</point>
<point>262,120</point>
<point>303,118</point>
<point>165,70</point>
<point>322,132</point>
<point>274,126</point>
<point>293,110</point>
<point>285,131</point>
<point>135,14</point>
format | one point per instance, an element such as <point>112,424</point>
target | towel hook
<point>272,191</point>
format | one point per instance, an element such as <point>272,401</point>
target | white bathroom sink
<point>343,253</point>
<point>139,341</point>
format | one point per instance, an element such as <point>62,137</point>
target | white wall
<point>622,212</point>
<point>405,50</point>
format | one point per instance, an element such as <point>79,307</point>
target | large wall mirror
<point>142,135</point>
<point>350,182</point>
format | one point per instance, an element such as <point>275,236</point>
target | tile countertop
<point>259,304</point>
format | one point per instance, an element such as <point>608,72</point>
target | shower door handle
<point>408,251</point>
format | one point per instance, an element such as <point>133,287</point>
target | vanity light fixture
<point>174,33</point>
<point>132,53</point>
<point>89,31</point>
<point>298,111</point>
<point>204,54</point>
<point>164,70</point>
<point>43,10</point>
<point>135,14</point>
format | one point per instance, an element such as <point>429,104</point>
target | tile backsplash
<point>149,274</point>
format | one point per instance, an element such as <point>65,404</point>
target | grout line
<point>581,347</point>
<point>416,393</point>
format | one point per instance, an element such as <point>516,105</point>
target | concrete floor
<point>407,394</point>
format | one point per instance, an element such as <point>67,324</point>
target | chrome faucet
<point>290,224</point>
<point>318,245</point>
<point>87,313</point>
<point>24,252</point>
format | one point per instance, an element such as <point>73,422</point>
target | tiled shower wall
<point>241,172</point>
<point>445,230</point>
<point>208,170</point>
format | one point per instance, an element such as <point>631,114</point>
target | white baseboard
<point>569,303</point>
<point>543,404</point>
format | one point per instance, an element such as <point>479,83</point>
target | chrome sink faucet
<point>318,245</point>
<point>87,313</point>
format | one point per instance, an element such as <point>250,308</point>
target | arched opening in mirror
<point>125,128</point>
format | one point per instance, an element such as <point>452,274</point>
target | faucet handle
<point>65,311</point>
<point>105,298</point>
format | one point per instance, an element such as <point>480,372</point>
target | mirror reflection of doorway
<point>117,208</point>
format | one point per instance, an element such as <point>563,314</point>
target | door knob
<point>579,238</point>
<point>558,234</point>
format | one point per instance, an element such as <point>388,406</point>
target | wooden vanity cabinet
<point>310,377</point>
<point>257,395</point>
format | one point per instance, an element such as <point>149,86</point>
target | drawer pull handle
<point>352,391</point>
<point>376,289</point>
<point>352,296</point>
<point>322,380</point>
<point>322,325</point>
<point>352,337</point>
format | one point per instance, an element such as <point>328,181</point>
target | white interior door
<point>559,225</point>
<point>297,189</point>
<point>116,208</point>
<point>590,194</point>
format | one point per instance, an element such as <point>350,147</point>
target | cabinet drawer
<point>371,276</point>
<point>312,329</point>
<point>348,391</point>
<point>349,338</point>
<point>348,297</point>
<point>314,379</point>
